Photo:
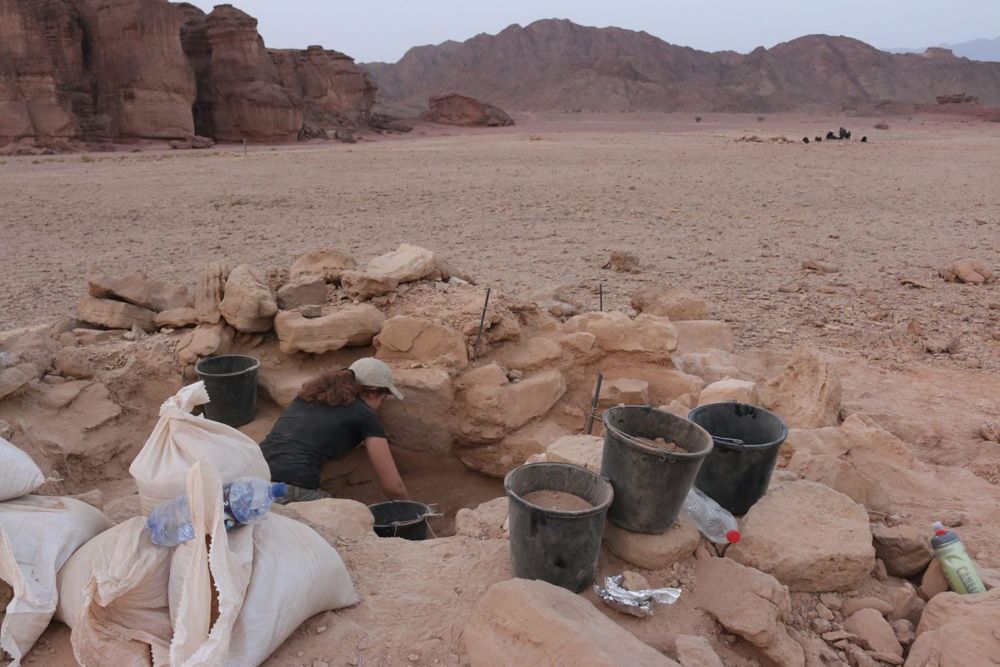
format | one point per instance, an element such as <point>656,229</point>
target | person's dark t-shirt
<point>309,434</point>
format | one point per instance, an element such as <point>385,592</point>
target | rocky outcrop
<point>331,87</point>
<point>465,111</point>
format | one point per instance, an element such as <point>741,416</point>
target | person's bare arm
<point>385,468</point>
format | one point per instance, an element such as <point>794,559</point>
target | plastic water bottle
<point>958,568</point>
<point>244,501</point>
<point>714,521</point>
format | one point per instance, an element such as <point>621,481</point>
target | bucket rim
<point>777,442</point>
<point>593,511</point>
<point>253,367</point>
<point>408,522</point>
<point>634,442</point>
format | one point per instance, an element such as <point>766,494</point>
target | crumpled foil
<point>636,603</point>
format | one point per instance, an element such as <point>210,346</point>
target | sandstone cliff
<point>558,65</point>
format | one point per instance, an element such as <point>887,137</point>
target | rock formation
<point>332,88</point>
<point>454,109</point>
<point>558,65</point>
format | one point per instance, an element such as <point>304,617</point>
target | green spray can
<point>958,568</point>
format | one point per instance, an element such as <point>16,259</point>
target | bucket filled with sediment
<point>556,519</point>
<point>651,458</point>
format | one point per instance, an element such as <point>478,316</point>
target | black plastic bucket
<point>747,439</point>
<point>650,483</point>
<point>231,382</point>
<point>557,546</point>
<point>401,518</point>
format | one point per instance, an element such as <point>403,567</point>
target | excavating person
<point>333,414</point>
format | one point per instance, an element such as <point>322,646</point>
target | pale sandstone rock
<point>411,339</point>
<point>898,593</point>
<point>556,300</point>
<point>325,263</point>
<point>211,288</point>
<point>750,604</point>
<point>13,380</point>
<point>248,304</point>
<point>694,651</point>
<point>500,458</point>
<point>623,262</point>
<point>971,270</point>
<point>809,536</point>
<point>700,335</point>
<point>362,286</point>
<point>303,291</point>
<point>84,403</point>
<point>709,365</point>
<point>933,581</point>
<point>582,450</point>
<point>114,314</point>
<point>408,263</point>
<point>73,362</point>
<point>957,631</point>
<point>654,552</point>
<point>841,476</point>
<point>676,407</point>
<point>521,622</point>
<point>416,421</point>
<point>282,384</point>
<point>616,332</point>
<point>852,605</point>
<point>874,631</point>
<point>176,318</point>
<point>349,326</point>
<point>674,303</point>
<point>203,341</point>
<point>486,522</point>
<point>531,354</point>
<point>807,394</point>
<point>138,289</point>
<point>744,391</point>
<point>496,406</point>
<point>905,550</point>
<point>334,518</point>
<point>624,391</point>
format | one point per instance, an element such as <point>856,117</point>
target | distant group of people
<point>843,134</point>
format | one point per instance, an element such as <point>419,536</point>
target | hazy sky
<point>385,30</point>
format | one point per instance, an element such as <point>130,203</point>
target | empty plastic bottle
<point>243,501</point>
<point>958,568</point>
<point>714,521</point>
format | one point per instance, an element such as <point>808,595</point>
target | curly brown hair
<point>334,387</point>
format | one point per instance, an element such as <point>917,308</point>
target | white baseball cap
<point>370,372</point>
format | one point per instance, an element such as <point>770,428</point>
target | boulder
<point>521,622</point>
<point>905,550</point>
<point>500,458</point>
<point>342,327</point>
<point>809,536</point>
<point>750,604</point>
<point>624,391</point>
<point>138,289</point>
<point>623,261</point>
<point>303,291</point>
<point>211,288</point>
<point>582,450</point>
<point>488,521</point>
<point>455,109</point>
<point>957,630</point>
<point>114,314</point>
<point>699,335</point>
<point>363,286</point>
<point>709,365</point>
<point>654,552</point>
<point>13,380</point>
<point>969,270</point>
<point>933,581</point>
<point>203,341</point>
<point>419,421</point>
<point>841,476</point>
<point>420,342</point>
<point>806,394</point>
<point>674,303</point>
<point>899,594</point>
<point>615,332</point>
<point>744,391</point>
<point>73,362</point>
<point>531,354</point>
<point>176,318</point>
<point>335,519</point>
<point>248,304</point>
<point>406,264</point>
<point>503,406</point>
<point>326,263</point>
<point>873,632</point>
<point>694,651</point>
<point>852,605</point>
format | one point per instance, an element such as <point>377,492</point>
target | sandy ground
<point>546,201</point>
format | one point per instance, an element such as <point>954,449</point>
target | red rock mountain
<point>121,69</point>
<point>558,65</point>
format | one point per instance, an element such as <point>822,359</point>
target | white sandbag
<point>37,536</point>
<point>296,575</point>
<point>19,475</point>
<point>113,594</point>
<point>180,439</point>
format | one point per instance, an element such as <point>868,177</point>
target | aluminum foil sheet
<point>637,603</point>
